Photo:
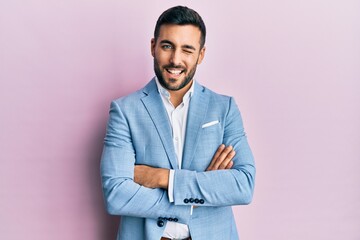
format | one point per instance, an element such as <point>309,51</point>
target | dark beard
<point>185,82</point>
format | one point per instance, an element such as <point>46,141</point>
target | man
<point>176,157</point>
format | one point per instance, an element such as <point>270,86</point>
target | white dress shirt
<point>178,119</point>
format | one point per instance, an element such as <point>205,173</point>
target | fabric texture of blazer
<point>139,132</point>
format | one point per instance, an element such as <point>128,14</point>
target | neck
<point>176,97</point>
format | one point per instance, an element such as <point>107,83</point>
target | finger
<point>217,154</point>
<point>226,160</point>
<point>222,156</point>
<point>230,165</point>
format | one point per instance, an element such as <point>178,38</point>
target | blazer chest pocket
<point>211,132</point>
<point>211,126</point>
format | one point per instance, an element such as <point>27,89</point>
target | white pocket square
<point>209,124</point>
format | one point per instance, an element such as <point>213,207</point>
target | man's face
<point>176,55</point>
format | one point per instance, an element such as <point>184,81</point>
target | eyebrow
<point>183,46</point>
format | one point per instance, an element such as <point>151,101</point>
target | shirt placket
<point>177,130</point>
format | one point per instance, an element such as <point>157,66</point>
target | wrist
<point>163,178</point>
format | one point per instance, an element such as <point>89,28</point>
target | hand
<point>151,177</point>
<point>222,158</point>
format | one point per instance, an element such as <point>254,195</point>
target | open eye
<point>166,46</point>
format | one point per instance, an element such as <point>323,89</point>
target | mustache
<point>175,66</point>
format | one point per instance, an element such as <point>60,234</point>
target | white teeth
<point>172,71</point>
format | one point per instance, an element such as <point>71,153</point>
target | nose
<point>175,58</point>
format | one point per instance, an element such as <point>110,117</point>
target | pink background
<point>293,67</point>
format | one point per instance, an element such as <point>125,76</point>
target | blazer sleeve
<point>234,186</point>
<point>122,195</point>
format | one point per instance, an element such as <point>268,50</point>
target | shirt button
<point>176,139</point>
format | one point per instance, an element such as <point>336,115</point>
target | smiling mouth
<point>174,71</point>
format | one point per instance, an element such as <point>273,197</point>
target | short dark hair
<point>181,15</point>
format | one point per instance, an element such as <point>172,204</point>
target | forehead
<point>180,34</point>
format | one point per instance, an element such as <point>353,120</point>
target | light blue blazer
<point>139,132</point>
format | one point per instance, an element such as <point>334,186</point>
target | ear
<point>153,43</point>
<point>201,55</point>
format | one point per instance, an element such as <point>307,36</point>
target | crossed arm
<point>159,177</point>
<point>125,185</point>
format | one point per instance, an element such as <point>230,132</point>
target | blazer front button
<point>160,223</point>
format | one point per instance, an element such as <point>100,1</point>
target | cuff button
<point>160,223</point>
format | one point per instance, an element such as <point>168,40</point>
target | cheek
<point>161,53</point>
<point>192,60</point>
<point>191,64</point>
<point>162,58</point>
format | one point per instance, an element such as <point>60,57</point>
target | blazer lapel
<point>154,105</point>
<point>197,112</point>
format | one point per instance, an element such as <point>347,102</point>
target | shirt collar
<point>166,94</point>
